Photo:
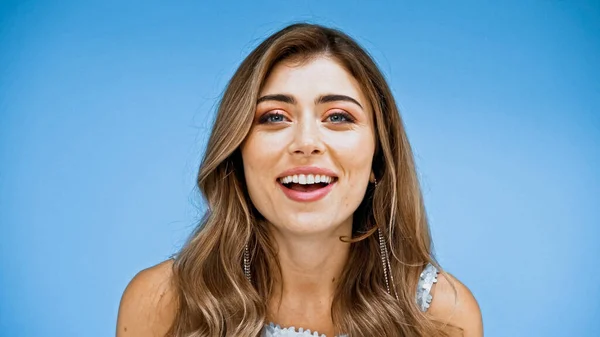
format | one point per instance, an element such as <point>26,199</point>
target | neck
<point>310,269</point>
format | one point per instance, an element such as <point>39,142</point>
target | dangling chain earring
<point>385,261</point>
<point>383,253</point>
<point>247,263</point>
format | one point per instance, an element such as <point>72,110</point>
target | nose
<point>307,139</point>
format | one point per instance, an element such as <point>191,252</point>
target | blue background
<point>105,109</point>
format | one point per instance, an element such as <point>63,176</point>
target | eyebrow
<point>319,100</point>
<point>278,97</point>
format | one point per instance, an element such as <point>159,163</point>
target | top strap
<point>426,280</point>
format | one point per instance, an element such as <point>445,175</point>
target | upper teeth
<point>304,179</point>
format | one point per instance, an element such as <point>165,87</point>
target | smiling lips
<point>305,184</point>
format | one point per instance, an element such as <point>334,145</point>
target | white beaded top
<point>426,280</point>
<point>274,330</point>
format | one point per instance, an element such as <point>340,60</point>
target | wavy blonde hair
<point>214,297</point>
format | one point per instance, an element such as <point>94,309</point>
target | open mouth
<point>307,187</point>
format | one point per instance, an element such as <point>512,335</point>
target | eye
<point>340,117</point>
<point>272,118</point>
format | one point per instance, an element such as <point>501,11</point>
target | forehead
<point>316,76</point>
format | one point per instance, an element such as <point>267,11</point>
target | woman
<point>315,217</point>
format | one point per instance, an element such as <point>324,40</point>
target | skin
<point>337,135</point>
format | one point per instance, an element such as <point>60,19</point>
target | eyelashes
<point>341,117</point>
<point>338,117</point>
<point>271,118</point>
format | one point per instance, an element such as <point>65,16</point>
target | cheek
<point>254,184</point>
<point>354,154</point>
<point>354,150</point>
<point>260,155</point>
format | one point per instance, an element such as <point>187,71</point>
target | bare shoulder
<point>453,303</point>
<point>148,304</point>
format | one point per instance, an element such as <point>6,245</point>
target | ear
<point>372,177</point>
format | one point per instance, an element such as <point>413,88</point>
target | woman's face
<point>307,159</point>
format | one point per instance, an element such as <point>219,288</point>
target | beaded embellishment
<point>275,330</point>
<point>426,281</point>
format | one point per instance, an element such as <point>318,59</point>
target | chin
<point>315,223</point>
